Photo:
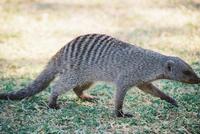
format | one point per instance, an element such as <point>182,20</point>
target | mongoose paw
<point>128,115</point>
<point>88,97</point>
<point>124,115</point>
<point>175,104</point>
<point>54,106</point>
<point>172,101</point>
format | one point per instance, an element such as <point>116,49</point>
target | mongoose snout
<point>179,70</point>
<point>194,81</point>
<point>190,77</point>
<point>99,57</point>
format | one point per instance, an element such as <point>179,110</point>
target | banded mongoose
<point>98,57</point>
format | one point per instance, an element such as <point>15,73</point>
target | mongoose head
<point>179,70</point>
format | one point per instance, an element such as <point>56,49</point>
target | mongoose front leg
<point>79,91</point>
<point>119,98</point>
<point>151,89</point>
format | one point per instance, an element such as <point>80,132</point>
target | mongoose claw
<point>172,101</point>
<point>175,104</point>
<point>88,97</point>
<point>125,115</point>
<point>54,106</point>
<point>128,115</point>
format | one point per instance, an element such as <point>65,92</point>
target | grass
<point>32,31</point>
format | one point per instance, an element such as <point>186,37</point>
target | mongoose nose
<point>197,81</point>
<point>194,81</point>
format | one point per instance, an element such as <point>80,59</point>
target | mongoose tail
<point>40,83</point>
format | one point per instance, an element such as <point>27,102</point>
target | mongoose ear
<point>169,65</point>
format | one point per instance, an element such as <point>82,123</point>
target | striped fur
<point>98,57</point>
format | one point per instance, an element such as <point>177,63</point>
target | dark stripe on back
<point>91,52</point>
<point>99,49</point>
<point>59,55</point>
<point>106,53</point>
<point>73,46</point>
<point>90,46</point>
<point>66,49</point>
<point>83,47</point>
<point>79,45</point>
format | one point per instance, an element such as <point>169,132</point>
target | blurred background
<point>31,31</point>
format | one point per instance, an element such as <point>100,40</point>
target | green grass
<point>151,115</point>
<point>31,31</point>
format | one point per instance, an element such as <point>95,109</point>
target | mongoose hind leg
<point>151,89</point>
<point>62,85</point>
<point>79,91</point>
<point>53,101</point>
<point>58,89</point>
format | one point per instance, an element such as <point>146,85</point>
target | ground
<point>32,31</point>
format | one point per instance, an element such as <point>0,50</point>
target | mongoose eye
<point>169,68</point>
<point>187,72</point>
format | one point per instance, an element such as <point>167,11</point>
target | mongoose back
<point>98,57</point>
